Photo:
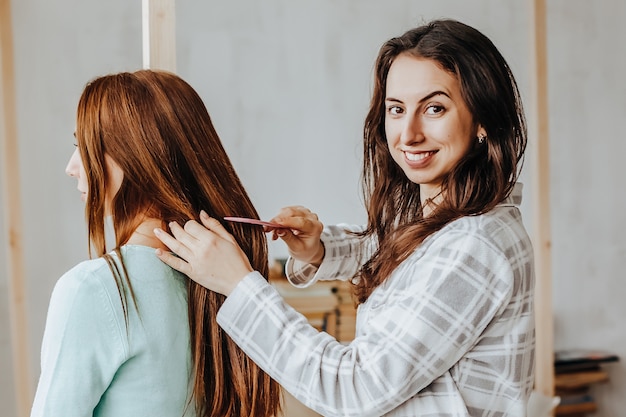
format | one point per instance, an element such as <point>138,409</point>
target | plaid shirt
<point>449,333</point>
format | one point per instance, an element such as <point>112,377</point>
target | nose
<point>73,164</point>
<point>411,130</point>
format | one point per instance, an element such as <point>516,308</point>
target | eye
<point>434,109</point>
<point>395,110</point>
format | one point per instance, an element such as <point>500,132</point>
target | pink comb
<point>253,221</point>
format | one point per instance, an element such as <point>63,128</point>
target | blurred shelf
<point>575,372</point>
<point>577,380</point>
<point>327,305</point>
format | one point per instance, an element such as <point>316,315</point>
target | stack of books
<point>575,371</point>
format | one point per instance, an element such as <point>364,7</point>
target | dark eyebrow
<point>423,99</point>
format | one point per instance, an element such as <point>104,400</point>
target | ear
<point>481,132</point>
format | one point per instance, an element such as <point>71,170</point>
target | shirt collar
<point>515,197</point>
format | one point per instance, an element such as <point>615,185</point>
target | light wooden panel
<point>159,34</point>
<point>542,239</point>
<point>9,163</point>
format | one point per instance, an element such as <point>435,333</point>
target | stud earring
<point>481,138</point>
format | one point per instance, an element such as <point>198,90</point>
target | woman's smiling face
<point>427,123</point>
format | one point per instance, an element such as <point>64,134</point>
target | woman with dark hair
<point>126,335</point>
<point>443,269</point>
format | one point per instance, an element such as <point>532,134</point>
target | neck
<point>427,208</point>
<point>144,235</point>
<point>430,198</point>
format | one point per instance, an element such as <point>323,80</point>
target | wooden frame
<point>159,34</point>
<point>542,240</point>
<point>9,161</point>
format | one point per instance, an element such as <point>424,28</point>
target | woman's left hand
<point>207,254</point>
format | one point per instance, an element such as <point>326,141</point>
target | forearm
<point>344,253</point>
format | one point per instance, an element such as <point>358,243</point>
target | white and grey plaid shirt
<point>449,333</point>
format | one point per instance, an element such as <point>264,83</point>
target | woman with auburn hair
<point>126,335</point>
<point>443,269</point>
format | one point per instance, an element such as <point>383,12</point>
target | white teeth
<point>417,156</point>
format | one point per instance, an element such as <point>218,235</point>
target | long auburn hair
<point>157,129</point>
<point>483,177</point>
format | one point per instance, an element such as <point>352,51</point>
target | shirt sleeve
<point>82,348</point>
<point>344,253</point>
<point>449,294</point>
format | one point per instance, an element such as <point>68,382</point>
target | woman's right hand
<point>301,234</point>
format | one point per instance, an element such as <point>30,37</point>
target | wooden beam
<point>544,379</point>
<point>159,34</point>
<point>9,161</point>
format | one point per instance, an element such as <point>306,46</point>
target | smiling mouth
<point>415,157</point>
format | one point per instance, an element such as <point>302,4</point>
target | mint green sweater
<point>93,365</point>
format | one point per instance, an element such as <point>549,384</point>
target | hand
<point>208,255</point>
<point>301,234</point>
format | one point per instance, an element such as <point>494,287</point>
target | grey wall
<point>58,47</point>
<point>587,112</point>
<point>287,84</point>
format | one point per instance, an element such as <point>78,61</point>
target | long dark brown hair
<point>483,177</point>
<point>157,129</point>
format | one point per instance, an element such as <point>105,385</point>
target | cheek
<point>82,177</point>
<point>458,149</point>
<point>465,143</point>
<point>114,185</point>
<point>82,173</point>
<point>391,142</point>
<point>392,131</point>
<point>115,177</point>
<point>460,138</point>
